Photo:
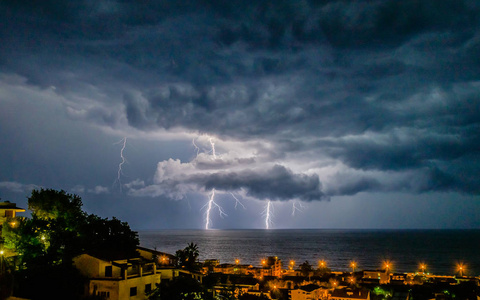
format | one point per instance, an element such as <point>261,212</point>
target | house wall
<point>92,267</point>
<point>167,274</point>
<point>120,289</point>
<point>298,295</point>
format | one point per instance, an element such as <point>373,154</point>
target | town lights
<point>237,261</point>
<point>292,264</point>
<point>353,265</point>
<point>264,262</point>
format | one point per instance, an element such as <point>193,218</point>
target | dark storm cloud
<point>387,86</point>
<point>277,183</point>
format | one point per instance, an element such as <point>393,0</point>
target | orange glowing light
<point>237,261</point>
<point>423,267</point>
<point>322,264</point>
<point>461,268</point>
<point>387,265</point>
<point>263,262</point>
<point>353,265</point>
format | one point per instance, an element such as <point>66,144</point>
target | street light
<point>461,268</point>
<point>423,266</point>
<point>353,265</point>
<point>292,264</point>
<point>237,261</point>
<point>322,264</point>
<point>387,265</point>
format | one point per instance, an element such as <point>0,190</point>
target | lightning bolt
<point>196,147</point>
<point>237,201</point>
<point>210,205</point>
<point>297,206</point>
<point>268,213</point>
<point>213,148</point>
<point>120,165</point>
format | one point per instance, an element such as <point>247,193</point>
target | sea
<point>441,250</point>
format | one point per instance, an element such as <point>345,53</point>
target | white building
<point>119,279</point>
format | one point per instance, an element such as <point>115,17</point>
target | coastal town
<point>149,273</point>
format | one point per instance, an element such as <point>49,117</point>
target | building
<point>119,279</point>
<point>234,269</point>
<point>272,266</point>
<point>347,294</point>
<point>8,210</point>
<point>161,258</point>
<point>376,276</point>
<point>309,292</point>
<point>398,278</point>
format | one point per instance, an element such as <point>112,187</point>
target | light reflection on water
<point>439,249</point>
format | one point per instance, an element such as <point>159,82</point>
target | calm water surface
<point>441,250</point>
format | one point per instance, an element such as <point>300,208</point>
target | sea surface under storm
<point>441,250</point>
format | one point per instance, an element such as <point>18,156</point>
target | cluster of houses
<point>135,278</point>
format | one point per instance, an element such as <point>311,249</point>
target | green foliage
<point>57,232</point>
<point>52,204</point>
<point>382,292</point>
<point>187,258</point>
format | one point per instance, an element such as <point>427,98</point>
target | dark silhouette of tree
<point>179,288</point>
<point>306,268</point>
<point>187,258</point>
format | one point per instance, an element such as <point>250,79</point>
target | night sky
<point>361,114</point>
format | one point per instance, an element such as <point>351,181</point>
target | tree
<point>57,232</point>
<point>306,268</point>
<point>179,288</point>
<point>187,258</point>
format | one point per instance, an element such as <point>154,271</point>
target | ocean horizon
<point>440,249</point>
